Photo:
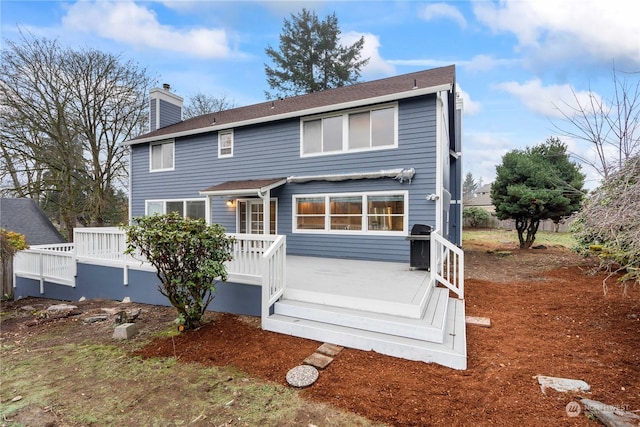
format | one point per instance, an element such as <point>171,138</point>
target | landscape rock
<point>302,376</point>
<point>27,308</point>
<point>563,385</point>
<point>61,307</point>
<point>611,416</point>
<point>94,319</point>
<point>125,331</point>
<point>126,300</point>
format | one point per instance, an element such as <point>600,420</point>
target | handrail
<point>273,274</point>
<point>447,261</point>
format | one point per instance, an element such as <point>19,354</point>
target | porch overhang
<point>248,187</point>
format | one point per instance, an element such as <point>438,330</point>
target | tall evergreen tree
<point>311,58</point>
<point>536,184</point>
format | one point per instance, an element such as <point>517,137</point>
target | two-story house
<point>337,179</point>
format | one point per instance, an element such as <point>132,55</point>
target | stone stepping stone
<point>611,416</point>
<point>302,376</point>
<point>563,385</point>
<point>484,322</point>
<point>330,350</point>
<point>318,360</point>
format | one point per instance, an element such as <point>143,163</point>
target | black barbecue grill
<point>420,245</point>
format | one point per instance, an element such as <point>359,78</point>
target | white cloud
<point>133,24</point>
<point>550,101</point>
<point>377,66</point>
<point>483,63</point>
<point>470,106</point>
<point>482,151</point>
<point>589,30</point>
<point>442,10</point>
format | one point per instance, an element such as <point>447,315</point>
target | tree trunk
<point>6,277</point>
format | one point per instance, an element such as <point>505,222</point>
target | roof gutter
<point>292,114</point>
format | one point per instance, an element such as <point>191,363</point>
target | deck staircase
<point>430,329</point>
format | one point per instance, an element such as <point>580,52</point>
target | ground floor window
<point>351,213</point>
<point>251,216</point>
<point>188,208</point>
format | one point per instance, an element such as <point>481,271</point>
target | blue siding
<point>152,114</point>
<point>95,281</point>
<point>169,113</point>
<point>273,150</point>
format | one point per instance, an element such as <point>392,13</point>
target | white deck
<point>381,287</point>
<point>380,306</point>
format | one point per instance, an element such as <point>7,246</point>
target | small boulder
<point>563,385</point>
<point>125,331</point>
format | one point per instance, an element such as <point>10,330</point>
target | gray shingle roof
<point>357,92</point>
<point>25,217</point>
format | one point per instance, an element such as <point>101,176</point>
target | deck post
<point>266,211</point>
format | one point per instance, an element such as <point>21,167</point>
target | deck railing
<point>52,263</point>
<point>447,261</point>
<point>273,274</point>
<point>106,246</point>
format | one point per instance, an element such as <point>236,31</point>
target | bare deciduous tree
<point>65,115</point>
<point>200,104</point>
<point>611,127</point>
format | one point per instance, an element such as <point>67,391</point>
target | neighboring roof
<point>383,90</point>
<point>25,217</point>
<point>249,186</point>
<point>482,197</point>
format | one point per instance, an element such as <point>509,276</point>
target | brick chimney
<point>165,108</point>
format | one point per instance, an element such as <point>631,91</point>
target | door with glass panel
<point>251,217</point>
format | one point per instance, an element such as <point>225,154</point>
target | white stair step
<point>430,327</point>
<point>452,352</point>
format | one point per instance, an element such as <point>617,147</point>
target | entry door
<point>251,213</point>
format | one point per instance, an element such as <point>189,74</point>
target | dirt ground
<point>548,317</point>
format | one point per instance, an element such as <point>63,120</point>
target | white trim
<point>345,130</point>
<point>244,191</point>
<point>299,113</point>
<point>207,208</point>
<point>173,154</point>
<point>365,215</point>
<point>249,202</point>
<point>220,134</point>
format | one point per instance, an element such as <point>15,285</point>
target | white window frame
<point>221,134</point>
<point>345,131</point>
<point>365,215</point>
<point>173,155</point>
<point>164,202</point>
<point>249,201</point>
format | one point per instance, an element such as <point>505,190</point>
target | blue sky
<point>518,62</point>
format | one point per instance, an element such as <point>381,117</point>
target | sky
<point>519,64</point>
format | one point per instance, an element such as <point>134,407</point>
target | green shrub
<point>189,257</point>
<point>476,216</point>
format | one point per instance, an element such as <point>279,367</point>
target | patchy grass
<point>85,384</point>
<point>511,237</point>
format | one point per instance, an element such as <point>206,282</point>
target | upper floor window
<point>359,130</point>
<point>162,155</point>
<point>225,144</point>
